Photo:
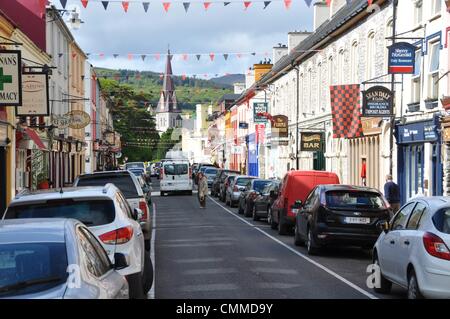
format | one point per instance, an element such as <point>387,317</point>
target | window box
<point>431,104</point>
<point>446,101</point>
<point>413,107</point>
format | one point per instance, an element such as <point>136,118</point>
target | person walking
<point>392,194</point>
<point>364,173</point>
<point>202,189</point>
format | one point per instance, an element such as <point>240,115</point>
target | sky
<point>218,30</point>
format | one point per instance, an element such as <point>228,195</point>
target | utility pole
<point>297,159</point>
<point>391,137</point>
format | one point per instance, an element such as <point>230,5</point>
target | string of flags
<point>138,76</point>
<point>187,4</point>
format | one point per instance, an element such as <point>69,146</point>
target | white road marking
<point>194,245</point>
<point>315,263</point>
<point>198,260</point>
<point>208,287</point>
<point>210,271</point>
<point>275,271</point>
<point>197,239</point>
<point>277,285</point>
<point>259,259</point>
<point>151,293</point>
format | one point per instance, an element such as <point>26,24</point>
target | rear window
<point>134,165</point>
<point>123,182</point>
<point>89,212</point>
<point>441,220</point>
<point>260,185</point>
<point>176,169</point>
<point>31,267</point>
<point>211,171</point>
<point>243,181</point>
<point>352,199</point>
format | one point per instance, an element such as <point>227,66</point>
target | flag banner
<point>266,4</point>
<point>130,56</point>
<point>308,2</point>
<point>157,56</point>
<point>143,56</point>
<point>287,4</point>
<point>145,5</point>
<point>225,56</point>
<point>115,56</point>
<point>328,2</point>
<point>63,3</point>
<point>101,55</point>
<point>206,5</point>
<point>84,3</point>
<point>198,57</point>
<point>345,111</point>
<point>184,57</point>
<point>186,6</point>
<point>370,2</point>
<point>166,6</point>
<point>105,4</point>
<point>211,56</point>
<point>125,5</point>
<point>247,4</point>
<point>226,3</point>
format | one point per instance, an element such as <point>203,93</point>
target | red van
<point>296,185</point>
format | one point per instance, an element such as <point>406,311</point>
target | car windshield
<point>268,188</point>
<point>135,165</point>
<point>243,181</point>
<point>441,220</point>
<point>123,182</point>
<point>176,169</point>
<point>31,267</point>
<point>354,199</point>
<point>260,185</point>
<point>211,171</point>
<point>231,179</point>
<point>89,212</point>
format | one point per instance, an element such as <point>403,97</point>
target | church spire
<point>168,100</point>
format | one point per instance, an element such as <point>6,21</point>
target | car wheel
<point>298,241</point>
<point>413,286</point>
<point>385,285</point>
<point>270,220</point>
<point>135,286</point>
<point>282,227</point>
<point>255,217</point>
<point>148,273</point>
<point>147,244</point>
<point>311,244</point>
<point>247,212</point>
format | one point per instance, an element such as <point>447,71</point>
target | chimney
<point>321,14</point>
<point>278,52</point>
<point>261,69</point>
<point>294,39</point>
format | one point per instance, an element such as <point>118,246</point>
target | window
<point>416,217</point>
<point>418,12</point>
<point>370,68</point>
<point>433,77</point>
<point>388,33</point>
<point>311,199</point>
<point>319,87</point>
<point>354,64</point>
<point>123,204</point>
<point>308,107</point>
<point>416,79</point>
<point>441,220</point>
<point>436,7</point>
<point>401,218</point>
<point>354,200</point>
<point>123,182</point>
<point>341,67</point>
<point>93,262</point>
<point>104,262</point>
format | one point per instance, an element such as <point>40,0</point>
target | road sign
<point>10,78</point>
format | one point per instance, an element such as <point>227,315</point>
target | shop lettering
<point>314,145</point>
<point>8,96</point>
<point>378,95</point>
<point>8,60</point>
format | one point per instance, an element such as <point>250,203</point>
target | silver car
<point>233,192</point>
<point>413,250</point>
<point>56,259</point>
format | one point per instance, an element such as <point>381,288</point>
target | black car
<point>264,201</point>
<point>252,189</point>
<point>219,180</point>
<point>340,215</point>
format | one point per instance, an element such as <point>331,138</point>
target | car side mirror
<point>384,226</point>
<point>298,204</point>
<point>120,261</point>
<point>137,214</point>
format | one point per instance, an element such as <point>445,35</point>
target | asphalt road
<point>216,253</point>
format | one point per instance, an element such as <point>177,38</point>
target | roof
<point>228,97</point>
<point>34,230</point>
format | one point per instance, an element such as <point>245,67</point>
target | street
<point>216,253</point>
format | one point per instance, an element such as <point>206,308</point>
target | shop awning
<point>35,137</point>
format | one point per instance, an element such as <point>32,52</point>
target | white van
<point>175,176</point>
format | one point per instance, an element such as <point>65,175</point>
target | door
<point>390,244</point>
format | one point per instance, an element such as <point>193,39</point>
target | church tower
<point>167,113</point>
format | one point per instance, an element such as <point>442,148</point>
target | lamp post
<point>391,135</point>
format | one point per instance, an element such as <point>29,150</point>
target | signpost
<point>10,78</point>
<point>311,142</point>
<point>378,101</point>
<point>258,109</point>
<point>402,58</point>
<point>35,99</point>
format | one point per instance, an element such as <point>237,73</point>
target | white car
<point>175,176</point>
<point>109,217</point>
<point>413,250</point>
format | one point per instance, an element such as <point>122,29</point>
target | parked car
<point>135,165</point>
<point>234,190</point>
<point>229,178</point>
<point>131,188</point>
<point>219,180</point>
<point>340,215</point>
<point>107,214</point>
<point>201,168</point>
<point>248,195</point>
<point>175,177</point>
<point>264,201</point>
<point>40,257</point>
<point>413,250</point>
<point>296,185</point>
<point>210,173</point>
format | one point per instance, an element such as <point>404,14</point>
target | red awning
<point>35,137</point>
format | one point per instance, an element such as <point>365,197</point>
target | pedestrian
<point>202,189</point>
<point>392,194</point>
<point>363,173</point>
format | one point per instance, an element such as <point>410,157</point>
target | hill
<point>229,79</point>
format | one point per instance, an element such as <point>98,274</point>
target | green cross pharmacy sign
<point>10,78</point>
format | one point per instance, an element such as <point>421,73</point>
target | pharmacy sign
<point>10,78</point>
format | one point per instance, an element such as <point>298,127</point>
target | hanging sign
<point>35,99</point>
<point>10,78</point>
<point>311,142</point>
<point>402,58</point>
<point>378,101</point>
<point>280,126</point>
<point>78,119</point>
<point>260,108</point>
<point>61,121</point>
<point>243,125</point>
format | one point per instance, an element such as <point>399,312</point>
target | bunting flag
<point>74,55</point>
<point>105,4</point>
<point>370,2</point>
<point>226,3</point>
<point>183,77</point>
<point>101,55</point>
<point>145,5</point>
<point>328,2</point>
<point>206,5</point>
<point>115,56</point>
<point>345,111</point>
<point>184,57</point>
<point>125,5</point>
<point>63,3</point>
<point>266,4</point>
<point>161,76</point>
<point>287,4</point>
<point>166,6</point>
<point>198,56</point>
<point>247,4</point>
<point>84,3</point>
<point>60,55</point>
<point>308,2</point>
<point>143,56</point>
<point>130,56</point>
<point>157,56</point>
<point>225,56</point>
<point>211,56</point>
<point>253,53</point>
<point>186,6</point>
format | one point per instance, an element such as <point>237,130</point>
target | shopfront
<point>3,165</point>
<point>420,170</point>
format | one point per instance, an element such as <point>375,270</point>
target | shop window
<point>436,7</point>
<point>433,75</point>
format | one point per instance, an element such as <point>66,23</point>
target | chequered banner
<point>345,110</point>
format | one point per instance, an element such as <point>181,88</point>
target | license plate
<point>357,220</point>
